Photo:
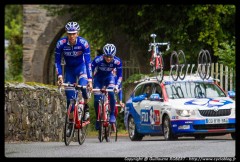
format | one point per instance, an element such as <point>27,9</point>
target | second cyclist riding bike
<point>106,129</point>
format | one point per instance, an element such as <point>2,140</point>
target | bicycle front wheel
<point>82,132</point>
<point>107,132</point>
<point>159,70</point>
<point>68,130</point>
<point>113,131</point>
<point>101,122</point>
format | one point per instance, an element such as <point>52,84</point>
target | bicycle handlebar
<point>103,90</point>
<point>71,85</point>
<point>159,44</point>
<point>154,44</point>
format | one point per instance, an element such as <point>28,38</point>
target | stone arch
<point>40,34</point>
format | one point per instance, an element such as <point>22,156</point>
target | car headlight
<point>185,113</point>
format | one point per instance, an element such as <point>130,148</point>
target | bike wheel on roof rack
<point>159,70</point>
<point>209,63</point>
<point>174,65</point>
<point>182,65</point>
<point>202,64</point>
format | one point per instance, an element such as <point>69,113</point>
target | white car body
<point>189,107</point>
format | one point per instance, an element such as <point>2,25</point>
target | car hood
<point>202,103</point>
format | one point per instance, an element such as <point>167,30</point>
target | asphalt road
<point>150,148</point>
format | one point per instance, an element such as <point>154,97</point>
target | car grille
<point>221,112</point>
<point>213,126</point>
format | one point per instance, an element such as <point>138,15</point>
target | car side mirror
<point>156,97</point>
<point>231,94</point>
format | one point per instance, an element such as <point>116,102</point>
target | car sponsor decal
<point>150,116</point>
<point>208,102</point>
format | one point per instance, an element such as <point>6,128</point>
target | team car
<point>190,107</point>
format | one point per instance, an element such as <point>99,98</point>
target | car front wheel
<point>132,130</point>
<point>233,136</point>
<point>167,131</point>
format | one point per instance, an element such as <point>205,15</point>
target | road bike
<point>204,64</point>
<point>106,130</point>
<point>178,65</point>
<point>75,109</point>
<point>156,61</point>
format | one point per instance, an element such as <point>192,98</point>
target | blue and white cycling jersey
<point>74,55</point>
<point>105,69</point>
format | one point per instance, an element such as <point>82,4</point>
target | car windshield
<point>177,90</point>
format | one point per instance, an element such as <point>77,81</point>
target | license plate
<point>217,121</point>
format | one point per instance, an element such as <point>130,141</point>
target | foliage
<point>13,33</point>
<point>133,78</point>
<point>190,28</point>
<point>227,54</point>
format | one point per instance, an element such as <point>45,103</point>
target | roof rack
<point>146,78</point>
<point>168,78</point>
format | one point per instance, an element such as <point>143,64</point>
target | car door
<point>155,106</point>
<point>145,106</point>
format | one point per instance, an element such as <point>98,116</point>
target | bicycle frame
<point>76,104</point>
<point>104,114</point>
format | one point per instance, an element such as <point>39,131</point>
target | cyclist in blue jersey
<point>76,53</point>
<point>103,67</point>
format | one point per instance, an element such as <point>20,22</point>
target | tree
<point>13,33</point>
<point>188,27</point>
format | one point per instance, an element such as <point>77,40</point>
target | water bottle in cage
<point>80,110</point>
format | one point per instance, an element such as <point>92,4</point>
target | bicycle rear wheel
<point>68,130</point>
<point>159,70</point>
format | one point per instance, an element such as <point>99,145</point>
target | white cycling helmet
<point>109,50</point>
<point>72,27</point>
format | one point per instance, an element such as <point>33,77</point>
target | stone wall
<point>33,113</point>
<point>36,112</point>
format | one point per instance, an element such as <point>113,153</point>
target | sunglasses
<point>108,56</point>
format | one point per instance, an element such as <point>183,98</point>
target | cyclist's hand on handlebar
<point>60,80</point>
<point>122,104</point>
<point>89,85</point>
<point>116,90</point>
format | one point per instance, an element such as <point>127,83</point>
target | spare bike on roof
<point>156,61</point>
